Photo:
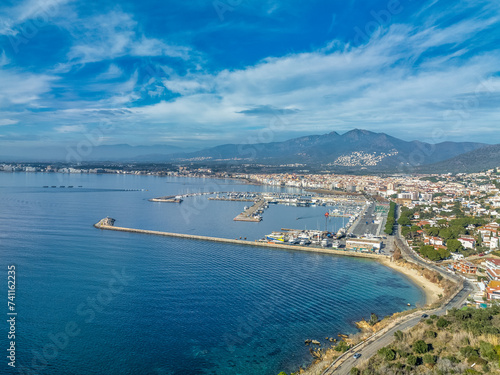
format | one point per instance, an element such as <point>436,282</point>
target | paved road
<point>362,228</point>
<point>372,346</point>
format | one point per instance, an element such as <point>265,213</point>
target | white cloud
<point>6,121</point>
<point>421,78</point>
<point>114,71</point>
<point>43,11</point>
<point>113,35</point>
<point>4,60</point>
<point>71,129</point>
<point>376,86</point>
<point>22,88</point>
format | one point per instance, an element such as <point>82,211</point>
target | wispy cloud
<point>71,129</point>
<point>6,121</point>
<point>23,88</point>
<point>112,35</point>
<point>433,68</point>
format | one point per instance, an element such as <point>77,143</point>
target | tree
<point>433,231</point>
<point>405,231</point>
<point>454,245</point>
<point>442,223</point>
<point>420,347</point>
<point>415,228</point>
<point>443,253</point>
<point>445,233</point>
<point>404,221</point>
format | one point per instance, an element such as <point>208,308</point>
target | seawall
<point>245,243</point>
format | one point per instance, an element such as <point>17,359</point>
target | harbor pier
<point>108,224</point>
<point>252,213</point>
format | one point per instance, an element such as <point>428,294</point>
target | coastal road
<point>371,347</point>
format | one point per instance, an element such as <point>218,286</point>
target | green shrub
<point>420,347</point>
<point>397,366</point>
<point>341,347</point>
<point>429,359</point>
<point>355,371</point>
<point>373,319</point>
<point>468,351</point>
<point>399,335</point>
<point>402,353</point>
<point>488,351</point>
<point>442,323</point>
<point>453,359</point>
<point>429,321</point>
<point>470,371</point>
<point>387,353</point>
<point>433,316</point>
<point>412,360</point>
<point>477,360</point>
<point>431,334</point>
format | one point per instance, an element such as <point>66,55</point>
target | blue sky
<point>201,73</point>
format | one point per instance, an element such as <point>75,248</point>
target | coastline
<point>430,289</point>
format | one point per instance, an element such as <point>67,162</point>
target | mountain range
<point>487,157</point>
<point>354,151</point>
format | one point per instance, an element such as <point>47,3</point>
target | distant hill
<point>351,152</point>
<point>474,161</point>
<point>120,152</point>
<point>356,148</point>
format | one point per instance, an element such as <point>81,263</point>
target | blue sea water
<point>101,302</point>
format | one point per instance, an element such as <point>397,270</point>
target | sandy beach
<point>431,289</point>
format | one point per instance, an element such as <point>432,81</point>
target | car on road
<point>357,355</point>
<point>425,316</point>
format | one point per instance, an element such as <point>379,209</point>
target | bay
<point>176,306</point>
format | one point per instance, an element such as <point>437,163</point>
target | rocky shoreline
<point>425,279</point>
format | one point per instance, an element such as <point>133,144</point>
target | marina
<point>345,207</point>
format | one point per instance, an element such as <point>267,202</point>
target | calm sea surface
<point>101,302</point>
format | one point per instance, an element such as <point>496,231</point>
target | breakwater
<point>103,224</point>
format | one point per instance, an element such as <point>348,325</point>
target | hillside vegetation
<point>462,342</point>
